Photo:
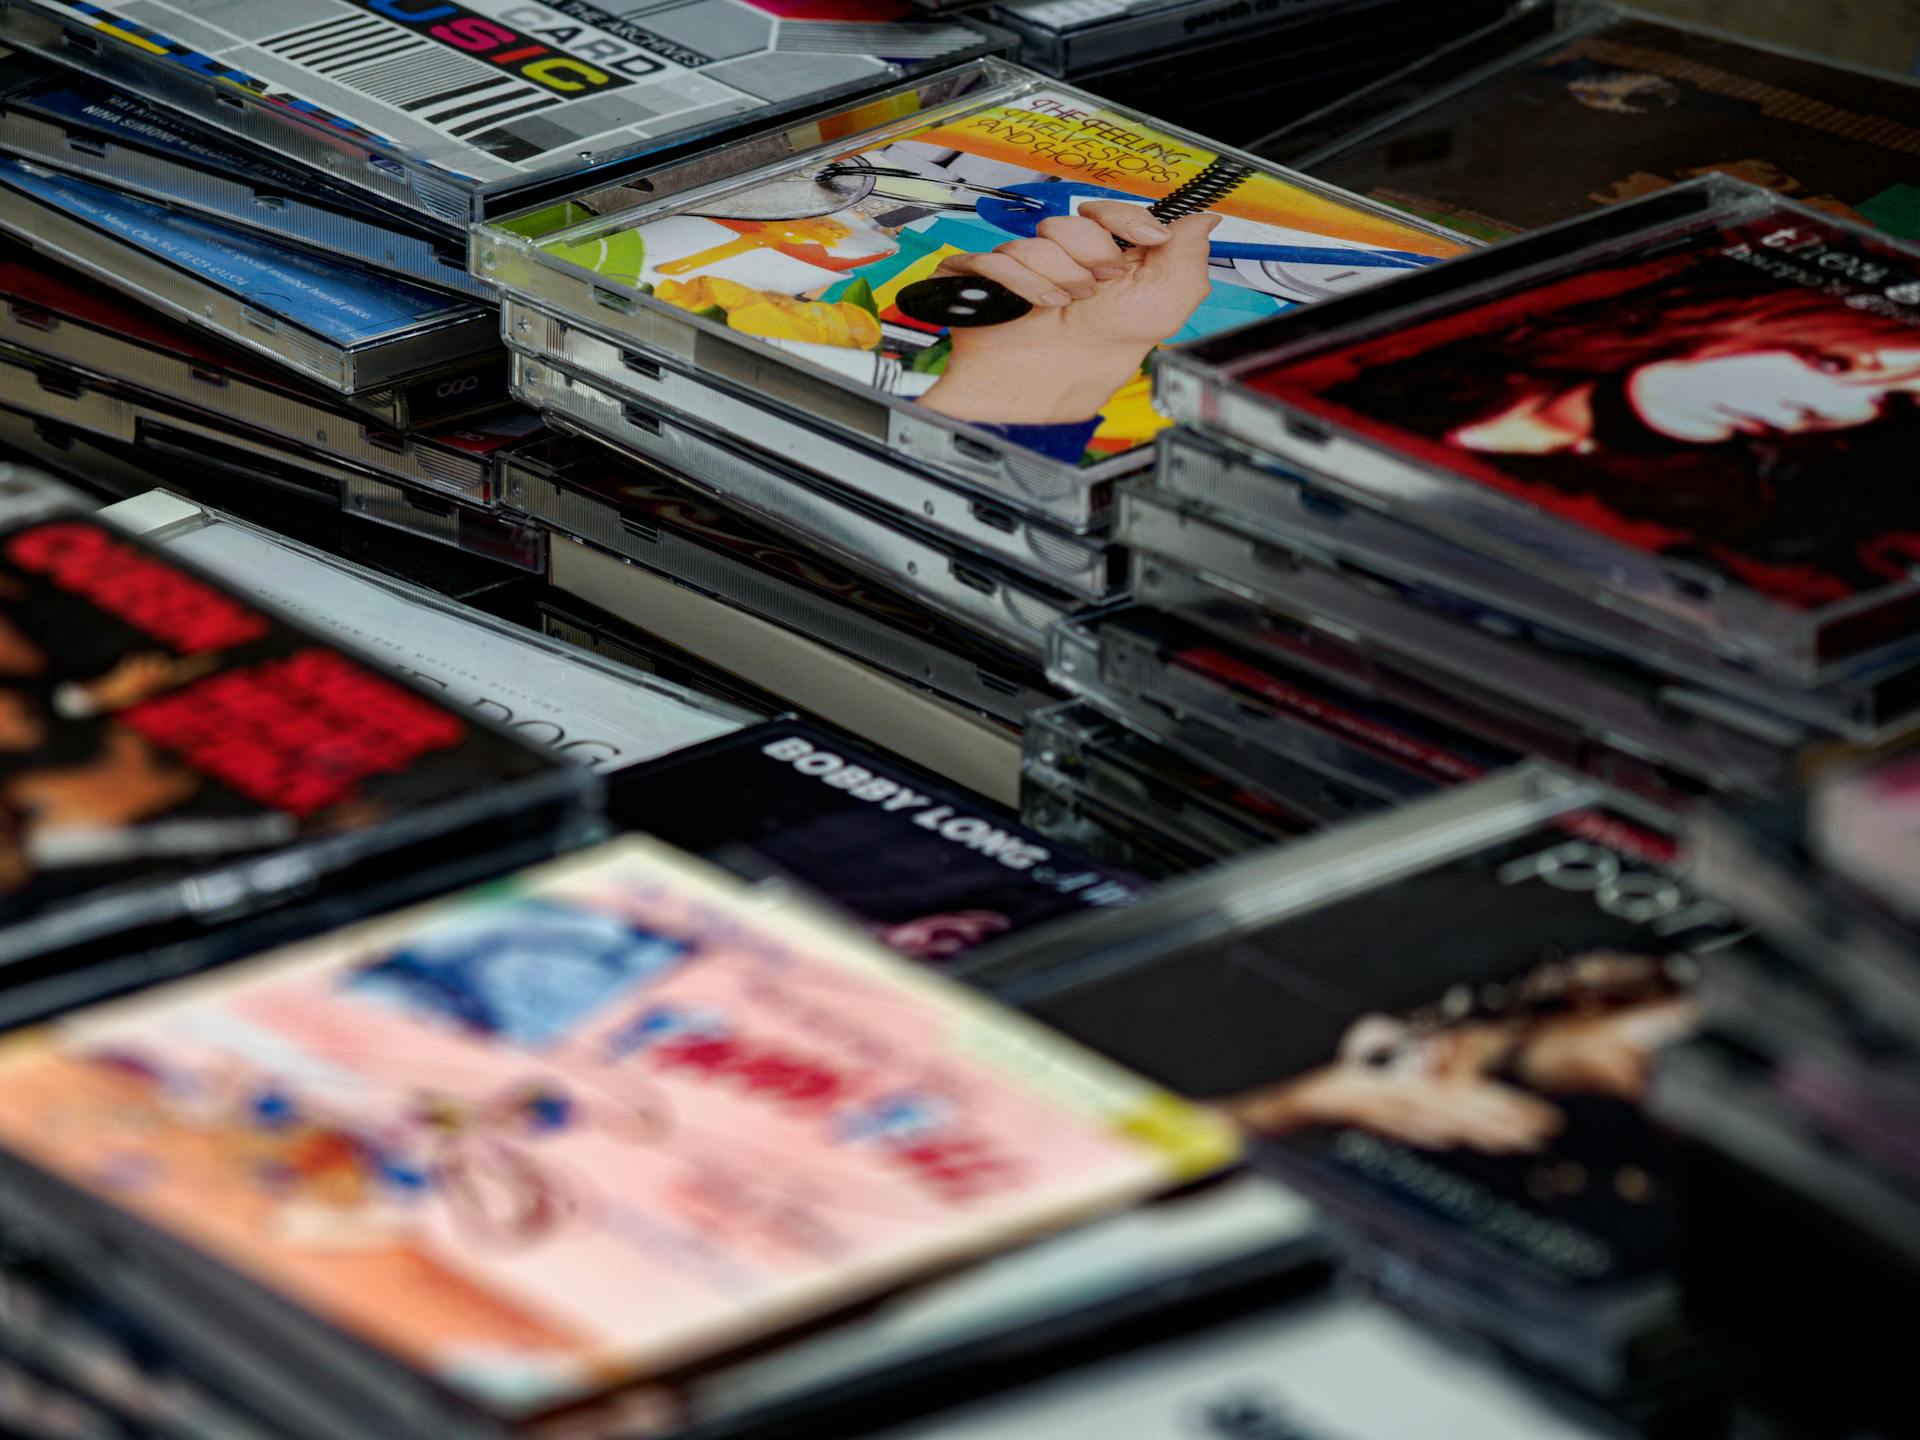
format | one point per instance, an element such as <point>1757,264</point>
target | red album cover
<point>155,726</point>
<point>1741,398</point>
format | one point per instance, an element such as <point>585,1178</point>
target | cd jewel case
<point>50,317</point>
<point>553,696</point>
<point>344,327</point>
<point>930,698</point>
<point>541,1195</point>
<point>1611,105</point>
<point>167,737</point>
<point>1696,408</point>
<point>949,578</point>
<point>1291,509</point>
<point>68,122</point>
<point>697,417</point>
<point>1439,1023</point>
<point>1389,637</point>
<point>931,871</point>
<point>876,283</point>
<point>1268,702</point>
<point>461,112</point>
<point>618,510</point>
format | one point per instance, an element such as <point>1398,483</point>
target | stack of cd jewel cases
<point>278,199</point>
<point>1628,493</point>
<point>921,349</point>
<point>1437,1022</point>
<point>1091,781</point>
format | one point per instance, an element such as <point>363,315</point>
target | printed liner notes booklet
<point>507,1152</point>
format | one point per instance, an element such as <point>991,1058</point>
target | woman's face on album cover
<point>1702,374</point>
<point>1705,400</point>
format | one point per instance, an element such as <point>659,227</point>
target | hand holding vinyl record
<point>1096,311</point>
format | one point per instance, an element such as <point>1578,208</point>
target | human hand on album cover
<point>1097,312</point>
<point>1462,1110</point>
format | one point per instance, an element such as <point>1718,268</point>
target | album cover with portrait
<point>1704,403</point>
<point>157,729</point>
<point>554,1137</point>
<point>1452,1051</point>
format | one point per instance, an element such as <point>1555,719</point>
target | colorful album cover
<point>1741,398</point>
<point>1466,1047</point>
<point>573,1129</point>
<point>345,304</point>
<point>154,726</point>
<point>1634,107</point>
<point>490,90</point>
<point>930,870</point>
<point>1014,267</point>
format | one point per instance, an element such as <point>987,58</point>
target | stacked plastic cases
<point>1287,986</point>
<point>280,195</point>
<point>1620,494</point>
<point>451,124</point>
<point>1092,781</point>
<point>847,340</point>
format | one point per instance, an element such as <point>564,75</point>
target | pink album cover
<point>606,1118</point>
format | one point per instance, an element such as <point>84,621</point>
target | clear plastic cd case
<point>1296,509</point>
<point>1386,637</point>
<point>65,324</point>
<point>1568,105</point>
<point>1289,987</point>
<point>53,405</point>
<point>778,647</point>
<point>1043,534</point>
<point>1694,408</point>
<point>70,123</point>
<point>168,775</point>
<point>1077,750</point>
<point>579,708</point>
<point>345,328</point>
<point>1051,807</point>
<point>1376,749</point>
<point>460,114</point>
<point>1015,611</point>
<point>875,283</point>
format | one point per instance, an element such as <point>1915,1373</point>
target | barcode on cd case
<point>456,95</point>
